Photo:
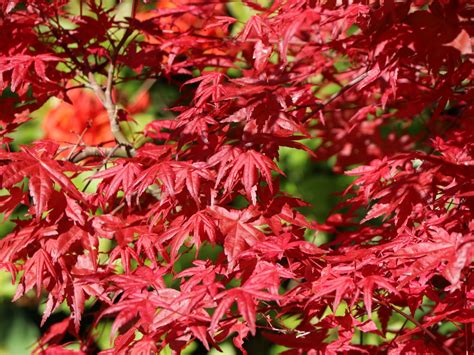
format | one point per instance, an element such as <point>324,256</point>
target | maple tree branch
<point>468,327</point>
<point>321,105</point>
<point>115,152</point>
<point>399,331</point>
<point>345,88</point>
<point>79,140</point>
<point>105,97</point>
<point>414,321</point>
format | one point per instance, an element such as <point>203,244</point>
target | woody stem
<point>105,97</point>
<point>115,152</point>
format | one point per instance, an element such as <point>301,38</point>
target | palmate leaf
<point>38,270</point>
<point>174,178</point>
<point>238,230</point>
<point>20,64</point>
<point>120,177</point>
<point>190,237</point>
<point>210,87</point>
<point>162,173</point>
<point>40,188</point>
<point>198,227</point>
<point>426,257</point>
<point>246,304</point>
<point>10,202</point>
<point>42,171</point>
<point>244,167</point>
<point>368,285</point>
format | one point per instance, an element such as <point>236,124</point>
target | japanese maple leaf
<point>371,175</point>
<point>266,277</point>
<point>120,177</point>
<point>426,256</point>
<point>201,274</point>
<point>42,171</point>
<point>39,272</point>
<point>210,87</point>
<point>197,125</point>
<point>174,306</point>
<point>246,304</point>
<point>368,284</point>
<point>200,226</point>
<point>191,175</point>
<point>142,305</point>
<point>81,289</point>
<point>261,55</point>
<point>141,279</point>
<point>163,172</point>
<point>173,178</point>
<point>238,230</point>
<point>19,66</point>
<point>246,169</point>
<point>343,286</point>
<point>10,202</point>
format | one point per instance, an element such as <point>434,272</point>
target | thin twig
<point>79,141</point>
<point>345,88</point>
<point>115,152</point>
<point>468,341</point>
<point>104,163</point>
<point>398,332</point>
<point>414,321</point>
<point>322,105</point>
<point>106,99</point>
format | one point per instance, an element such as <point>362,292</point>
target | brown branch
<point>345,88</point>
<point>79,141</point>
<point>106,99</point>
<point>115,152</point>
<point>418,324</point>
<point>468,327</point>
<point>322,105</point>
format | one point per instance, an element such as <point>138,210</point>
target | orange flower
<point>189,21</point>
<point>183,22</point>
<point>65,123</point>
